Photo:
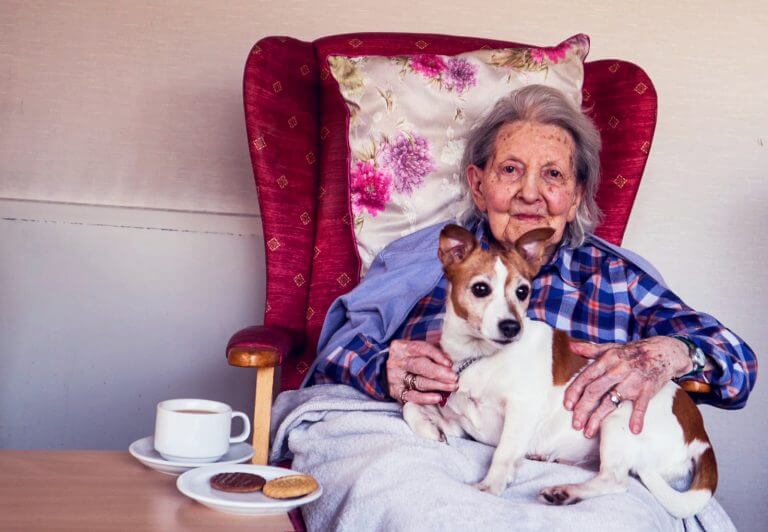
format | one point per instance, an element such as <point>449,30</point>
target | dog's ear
<point>532,246</point>
<point>456,243</point>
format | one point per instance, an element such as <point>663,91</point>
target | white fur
<point>508,399</point>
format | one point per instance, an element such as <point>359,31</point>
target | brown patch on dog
<point>461,257</point>
<point>459,276</point>
<point>516,263</point>
<point>565,363</point>
<point>706,472</point>
<point>689,417</point>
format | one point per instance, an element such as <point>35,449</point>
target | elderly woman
<point>532,162</point>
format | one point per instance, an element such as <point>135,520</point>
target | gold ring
<point>410,381</point>
<point>402,396</point>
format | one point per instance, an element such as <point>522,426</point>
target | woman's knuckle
<point>594,390</point>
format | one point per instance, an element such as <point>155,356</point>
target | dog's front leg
<point>424,420</point>
<point>513,444</point>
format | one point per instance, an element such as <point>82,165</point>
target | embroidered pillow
<point>408,120</point>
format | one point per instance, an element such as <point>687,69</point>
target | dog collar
<point>464,364</point>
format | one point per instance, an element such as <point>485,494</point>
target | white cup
<point>196,430</point>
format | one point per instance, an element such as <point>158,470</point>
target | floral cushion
<point>408,120</point>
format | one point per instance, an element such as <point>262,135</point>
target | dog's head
<point>490,289</point>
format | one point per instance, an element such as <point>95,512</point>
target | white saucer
<point>196,485</point>
<point>144,451</point>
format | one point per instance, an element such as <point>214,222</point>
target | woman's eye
<point>555,174</point>
<point>480,289</point>
<point>522,292</point>
<point>509,169</point>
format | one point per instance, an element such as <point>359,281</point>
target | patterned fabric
<point>594,296</point>
<point>282,114</point>
<point>296,121</point>
<point>409,117</point>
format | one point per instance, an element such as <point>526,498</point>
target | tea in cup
<point>196,430</point>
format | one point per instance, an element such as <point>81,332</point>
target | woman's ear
<point>475,180</point>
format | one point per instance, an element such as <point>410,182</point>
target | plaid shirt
<point>593,295</point>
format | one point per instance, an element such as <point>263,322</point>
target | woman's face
<point>529,182</point>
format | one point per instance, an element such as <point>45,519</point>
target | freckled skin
<point>529,182</point>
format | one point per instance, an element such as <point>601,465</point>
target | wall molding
<point>130,218</point>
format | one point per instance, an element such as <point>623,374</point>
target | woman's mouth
<point>528,217</point>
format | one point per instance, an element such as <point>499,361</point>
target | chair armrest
<point>261,346</point>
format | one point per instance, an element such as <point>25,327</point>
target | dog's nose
<point>509,328</point>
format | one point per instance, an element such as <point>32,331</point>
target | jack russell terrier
<point>513,375</point>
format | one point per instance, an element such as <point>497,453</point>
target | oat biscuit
<point>290,487</point>
<point>237,482</point>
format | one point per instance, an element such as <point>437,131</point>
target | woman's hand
<point>637,371</point>
<point>428,363</point>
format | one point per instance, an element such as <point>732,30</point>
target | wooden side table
<point>104,490</point>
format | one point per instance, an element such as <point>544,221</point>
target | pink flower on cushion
<point>553,55</point>
<point>370,189</point>
<point>430,66</point>
<point>408,160</point>
<point>460,74</point>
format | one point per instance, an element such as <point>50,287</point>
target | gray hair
<point>545,105</point>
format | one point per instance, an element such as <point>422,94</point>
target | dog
<point>513,372</point>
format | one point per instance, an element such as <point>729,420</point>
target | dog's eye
<point>481,289</point>
<point>522,292</point>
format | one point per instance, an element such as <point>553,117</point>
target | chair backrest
<point>297,131</point>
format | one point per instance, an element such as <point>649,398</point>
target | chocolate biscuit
<point>237,482</point>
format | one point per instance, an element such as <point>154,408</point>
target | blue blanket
<point>377,475</point>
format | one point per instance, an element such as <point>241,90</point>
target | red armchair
<point>297,126</point>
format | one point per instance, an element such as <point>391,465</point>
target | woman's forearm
<point>731,367</point>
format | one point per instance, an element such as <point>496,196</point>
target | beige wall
<point>138,104</point>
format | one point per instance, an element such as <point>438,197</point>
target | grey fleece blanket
<point>377,475</point>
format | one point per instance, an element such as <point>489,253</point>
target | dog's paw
<point>492,486</point>
<point>431,432</point>
<point>558,495</point>
<point>482,486</point>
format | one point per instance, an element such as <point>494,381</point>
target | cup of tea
<point>196,430</point>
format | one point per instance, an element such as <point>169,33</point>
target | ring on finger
<point>410,381</point>
<point>615,397</point>
<point>402,396</point>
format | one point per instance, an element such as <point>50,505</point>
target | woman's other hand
<point>636,370</point>
<point>431,367</point>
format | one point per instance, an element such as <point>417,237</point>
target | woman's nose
<point>529,188</point>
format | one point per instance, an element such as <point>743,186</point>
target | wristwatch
<point>698,358</point>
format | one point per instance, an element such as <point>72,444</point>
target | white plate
<point>196,485</point>
<point>144,451</point>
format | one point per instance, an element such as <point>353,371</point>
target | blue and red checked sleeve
<point>731,368</point>
<point>361,364</point>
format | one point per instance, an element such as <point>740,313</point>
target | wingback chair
<point>297,128</point>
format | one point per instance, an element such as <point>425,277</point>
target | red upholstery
<point>297,121</point>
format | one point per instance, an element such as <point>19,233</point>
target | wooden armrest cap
<point>260,346</point>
